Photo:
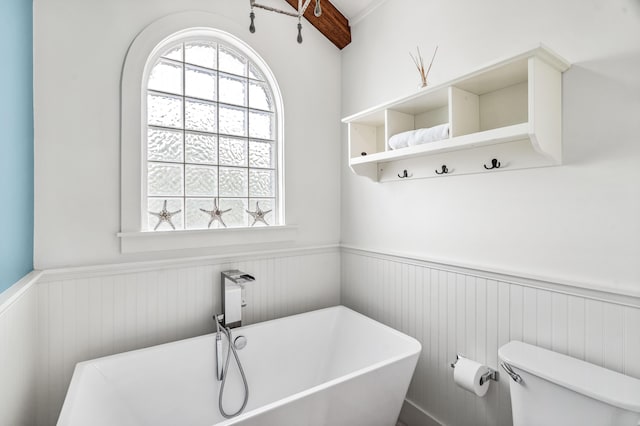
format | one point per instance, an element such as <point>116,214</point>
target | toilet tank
<point>557,389</point>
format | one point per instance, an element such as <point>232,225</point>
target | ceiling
<point>354,10</point>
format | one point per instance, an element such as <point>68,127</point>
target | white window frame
<point>137,65</point>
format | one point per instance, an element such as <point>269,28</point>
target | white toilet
<point>551,389</point>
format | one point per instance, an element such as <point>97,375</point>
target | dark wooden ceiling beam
<point>331,23</point>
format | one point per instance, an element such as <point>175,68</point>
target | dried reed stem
<point>419,63</point>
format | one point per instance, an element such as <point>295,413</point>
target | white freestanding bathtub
<point>327,367</point>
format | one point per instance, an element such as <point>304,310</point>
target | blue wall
<point>16,141</point>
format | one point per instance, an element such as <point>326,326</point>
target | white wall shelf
<point>509,111</point>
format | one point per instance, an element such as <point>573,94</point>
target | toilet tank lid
<point>588,379</point>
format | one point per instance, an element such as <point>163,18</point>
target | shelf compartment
<point>426,109</point>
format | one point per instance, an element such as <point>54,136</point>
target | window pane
<point>265,204</point>
<point>164,145</point>
<point>200,83</point>
<point>201,148</point>
<point>166,76</point>
<point>233,151</point>
<point>164,110</point>
<point>238,215</point>
<point>173,205</point>
<point>200,116</point>
<point>201,180</point>
<point>233,90</point>
<point>260,96</point>
<point>196,218</point>
<point>233,121</point>
<point>232,62</point>
<point>261,183</point>
<point>255,73</point>
<point>211,129</point>
<point>261,154</point>
<point>164,179</point>
<point>233,182</point>
<point>174,53</point>
<point>201,53</point>
<point>261,125</point>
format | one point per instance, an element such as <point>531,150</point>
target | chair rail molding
<point>624,295</point>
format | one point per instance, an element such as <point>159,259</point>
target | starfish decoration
<point>164,216</point>
<point>258,215</point>
<point>216,214</point>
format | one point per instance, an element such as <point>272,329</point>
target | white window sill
<point>146,241</point>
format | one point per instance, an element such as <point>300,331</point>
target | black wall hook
<point>444,171</point>
<point>495,164</point>
<point>404,174</point>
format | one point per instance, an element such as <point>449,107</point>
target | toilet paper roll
<point>467,374</point>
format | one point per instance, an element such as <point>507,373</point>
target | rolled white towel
<point>431,134</point>
<point>419,136</point>
<point>401,140</point>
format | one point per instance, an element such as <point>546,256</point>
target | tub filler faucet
<point>232,285</point>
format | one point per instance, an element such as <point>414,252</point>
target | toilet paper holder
<point>489,375</point>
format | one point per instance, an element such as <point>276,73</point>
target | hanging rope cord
<point>231,348</point>
<point>302,7</point>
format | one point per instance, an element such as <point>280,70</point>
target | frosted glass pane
<point>197,219</point>
<point>201,180</point>
<point>200,53</point>
<point>238,215</point>
<point>261,125</point>
<point>265,205</point>
<point>233,182</point>
<point>200,116</point>
<point>164,110</point>
<point>262,183</point>
<point>164,179</point>
<point>232,62</point>
<point>164,145</point>
<point>174,53</point>
<point>255,73</point>
<point>233,121</point>
<point>173,205</point>
<point>233,90</point>
<point>261,154</point>
<point>200,83</point>
<point>166,76</point>
<point>233,152</point>
<point>260,96</point>
<point>201,148</point>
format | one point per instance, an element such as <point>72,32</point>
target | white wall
<point>19,352</point>
<point>79,49</point>
<point>455,310</point>
<point>577,223</point>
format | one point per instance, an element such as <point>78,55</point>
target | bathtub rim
<point>72,392</point>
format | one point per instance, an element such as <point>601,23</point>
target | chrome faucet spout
<point>232,285</point>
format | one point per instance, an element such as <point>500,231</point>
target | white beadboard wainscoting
<point>84,313</point>
<point>18,352</point>
<point>456,310</point>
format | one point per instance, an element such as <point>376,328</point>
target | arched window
<point>201,126</point>
<point>210,139</point>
